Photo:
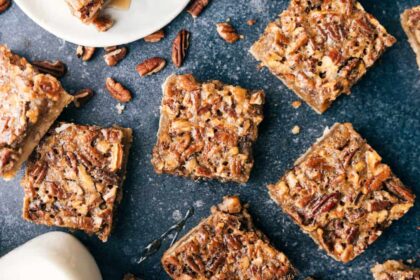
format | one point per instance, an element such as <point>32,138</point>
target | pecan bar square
<point>410,21</point>
<point>226,245</point>
<point>74,178</point>
<point>395,270</point>
<point>85,10</point>
<point>207,129</point>
<point>320,49</point>
<point>341,194</point>
<point>30,103</point>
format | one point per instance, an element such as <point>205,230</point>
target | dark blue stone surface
<point>384,107</point>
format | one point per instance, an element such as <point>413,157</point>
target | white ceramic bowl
<point>143,18</point>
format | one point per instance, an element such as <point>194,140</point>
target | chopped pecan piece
<point>55,68</point>
<point>4,5</point>
<point>341,194</point>
<point>74,178</point>
<point>320,49</point>
<point>103,22</point>
<point>113,57</point>
<point>85,10</point>
<point>82,97</point>
<point>410,21</point>
<point>207,129</point>
<point>85,53</point>
<point>226,245</point>
<point>227,32</point>
<point>395,270</point>
<point>196,7</point>
<point>155,37</point>
<point>118,91</point>
<point>180,47</point>
<point>151,66</point>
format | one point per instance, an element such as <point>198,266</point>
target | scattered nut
<point>4,5</point>
<point>251,22</point>
<point>296,104</point>
<point>103,23</point>
<point>117,91</point>
<point>110,49</point>
<point>151,66</point>
<point>196,7</point>
<point>227,32</point>
<point>85,53</point>
<point>82,97</point>
<point>155,37</point>
<point>55,68</point>
<point>296,130</point>
<point>180,47</point>
<point>112,58</point>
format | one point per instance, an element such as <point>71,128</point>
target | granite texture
<point>384,108</point>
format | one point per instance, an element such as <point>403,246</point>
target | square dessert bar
<point>341,194</point>
<point>395,270</point>
<point>320,48</point>
<point>85,10</point>
<point>30,103</point>
<point>410,21</point>
<point>226,245</point>
<point>207,129</point>
<point>74,178</point>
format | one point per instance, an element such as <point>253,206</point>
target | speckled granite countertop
<point>384,108</point>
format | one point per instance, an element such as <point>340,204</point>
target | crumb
<point>410,261</point>
<point>241,37</point>
<point>228,20</point>
<point>120,108</point>
<point>176,215</point>
<point>296,129</point>
<point>198,204</point>
<point>251,22</point>
<point>296,104</point>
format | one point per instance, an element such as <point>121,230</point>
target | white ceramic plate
<point>143,18</point>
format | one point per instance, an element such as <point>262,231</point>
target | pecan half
<point>55,68</point>
<point>103,23</point>
<point>227,32</point>
<point>180,47</point>
<point>112,58</point>
<point>155,37</point>
<point>85,53</point>
<point>117,91</point>
<point>151,66</point>
<point>82,97</point>
<point>196,7</point>
<point>4,5</point>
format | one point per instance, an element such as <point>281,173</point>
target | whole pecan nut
<point>112,58</point>
<point>55,68</point>
<point>155,37</point>
<point>117,91</point>
<point>82,97</point>
<point>196,7</point>
<point>180,47</point>
<point>227,32</point>
<point>151,66</point>
<point>85,53</point>
<point>4,5</point>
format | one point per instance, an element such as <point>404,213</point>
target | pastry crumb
<point>296,104</point>
<point>120,108</point>
<point>251,22</point>
<point>296,129</point>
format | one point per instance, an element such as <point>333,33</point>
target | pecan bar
<point>320,49</point>
<point>30,103</point>
<point>226,245</point>
<point>74,178</point>
<point>207,129</point>
<point>341,194</point>
<point>85,10</point>
<point>395,270</point>
<point>410,21</point>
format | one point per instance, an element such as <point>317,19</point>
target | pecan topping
<point>395,270</point>
<point>117,91</point>
<point>4,5</point>
<point>82,97</point>
<point>151,66</point>
<point>227,32</point>
<point>85,53</point>
<point>410,21</point>
<point>113,57</point>
<point>180,47</point>
<point>55,68</point>
<point>196,7</point>
<point>155,37</point>
<point>103,22</point>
